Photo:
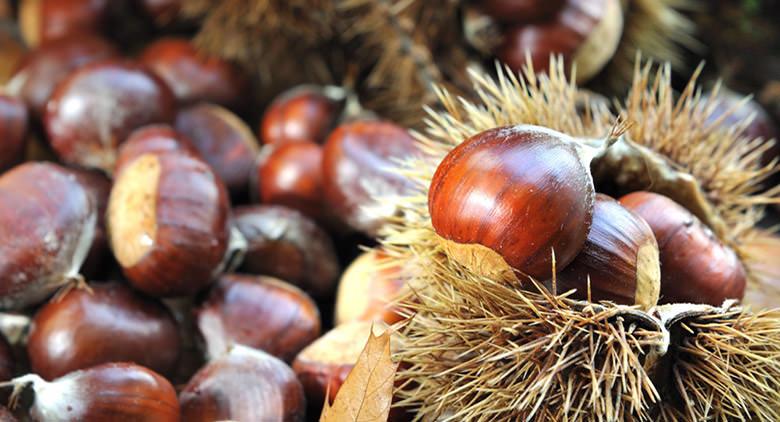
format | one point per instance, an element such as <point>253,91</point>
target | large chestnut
<point>94,109</point>
<point>223,140</point>
<point>168,223</point>
<point>357,171</point>
<point>47,223</point>
<point>243,385</point>
<point>302,114</point>
<point>108,323</point>
<point>368,289</point>
<point>696,267</point>
<point>284,243</point>
<point>46,20</point>
<point>153,139</point>
<point>518,11</point>
<point>13,131</point>
<point>195,76</point>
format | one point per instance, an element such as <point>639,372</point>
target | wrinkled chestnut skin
<point>223,140</point>
<point>695,266</point>
<point>47,223</point>
<point>355,166</point>
<point>299,115</point>
<point>260,312</point>
<point>518,11</point>
<point>153,139</point>
<point>99,257</point>
<point>95,108</point>
<point>46,20</point>
<point>285,244</point>
<point>13,131</point>
<point>291,175</point>
<point>243,385</point>
<point>194,76</point>
<point>109,324</point>
<point>43,68</point>
<point>7,362</point>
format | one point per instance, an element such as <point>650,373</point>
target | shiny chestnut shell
<point>94,109</point>
<point>13,131</point>
<point>108,323</point>
<point>153,139</point>
<point>303,114</point>
<point>46,20</point>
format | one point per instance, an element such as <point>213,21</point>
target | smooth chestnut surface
<point>695,266</point>
<point>153,139</point>
<point>223,140</point>
<point>44,67</point>
<point>516,11</point>
<point>168,223</point>
<point>619,259</point>
<point>291,175</point>
<point>301,114</point>
<point>285,244</point>
<point>47,224</point>
<point>194,76</point>
<point>243,384</point>
<point>94,109</point>
<point>356,170</point>
<point>109,324</point>
<point>368,288</point>
<point>98,185</point>
<point>260,312</point>
<point>7,361</point>
<point>46,20</point>
<point>13,131</point>
<point>521,191</point>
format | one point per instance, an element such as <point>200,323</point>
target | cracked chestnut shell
<point>13,131</point>
<point>302,114</point>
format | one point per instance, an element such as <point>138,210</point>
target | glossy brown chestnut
<point>356,166</point>
<point>302,114</point>
<point>108,392</point>
<point>98,185</point>
<point>243,384</point>
<point>291,175</point>
<point>695,266</point>
<point>13,131</point>
<point>193,76</point>
<point>513,194</point>
<point>518,11</point>
<point>368,288</point>
<point>110,323</point>
<point>46,20</point>
<point>168,223</point>
<point>224,141</point>
<point>585,32</point>
<point>619,259</point>
<point>259,312</point>
<point>284,243</point>
<point>7,361</point>
<point>47,223</point>
<point>95,108</point>
<point>42,69</point>
<point>153,139</point>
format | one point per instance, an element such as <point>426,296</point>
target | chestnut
<point>47,224</point>
<point>162,11</point>
<point>107,323</point>
<point>42,69</point>
<point>368,288</point>
<point>94,109</point>
<point>13,131</point>
<point>356,171</point>
<point>168,223</point>
<point>619,259</point>
<point>695,266</point>
<point>153,139</point>
<point>194,76</point>
<point>108,392</point>
<point>518,11</point>
<point>223,140</point>
<point>302,114</point>
<point>46,20</point>
<point>243,385</point>
<point>284,243</point>
<point>584,32</point>
<point>98,185</point>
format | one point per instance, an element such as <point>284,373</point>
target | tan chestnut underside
<point>648,276</point>
<point>354,288</point>
<point>600,46</point>
<point>479,259</point>
<point>132,210</point>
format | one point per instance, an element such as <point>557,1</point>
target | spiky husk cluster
<point>485,349</point>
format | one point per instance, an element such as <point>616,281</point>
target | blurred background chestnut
<point>46,20</point>
<point>13,131</point>
<point>302,114</point>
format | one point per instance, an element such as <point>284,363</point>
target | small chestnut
<point>194,76</point>
<point>47,224</point>
<point>243,384</point>
<point>153,139</point>
<point>98,185</point>
<point>519,11</point>
<point>285,244</point>
<point>368,288</point>
<point>302,114</point>
<point>13,131</point>
<point>619,259</point>
<point>46,20</point>
<point>223,140</point>
<point>110,323</point>
<point>94,109</point>
<point>168,223</point>
<point>356,171</point>
<point>696,267</point>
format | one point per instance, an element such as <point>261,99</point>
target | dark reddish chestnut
<point>696,267</point>
<point>194,76</point>
<point>224,141</point>
<point>303,114</point>
<point>243,385</point>
<point>368,289</point>
<point>46,20</point>
<point>95,108</point>
<point>47,224</point>
<point>98,185</point>
<point>357,171</point>
<point>13,131</point>
<point>168,223</point>
<point>518,11</point>
<point>43,68</point>
<point>284,243</point>
<point>110,323</point>
<point>162,11</point>
<point>153,139</point>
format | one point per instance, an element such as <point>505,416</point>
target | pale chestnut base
<point>479,259</point>
<point>648,276</point>
<point>600,46</point>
